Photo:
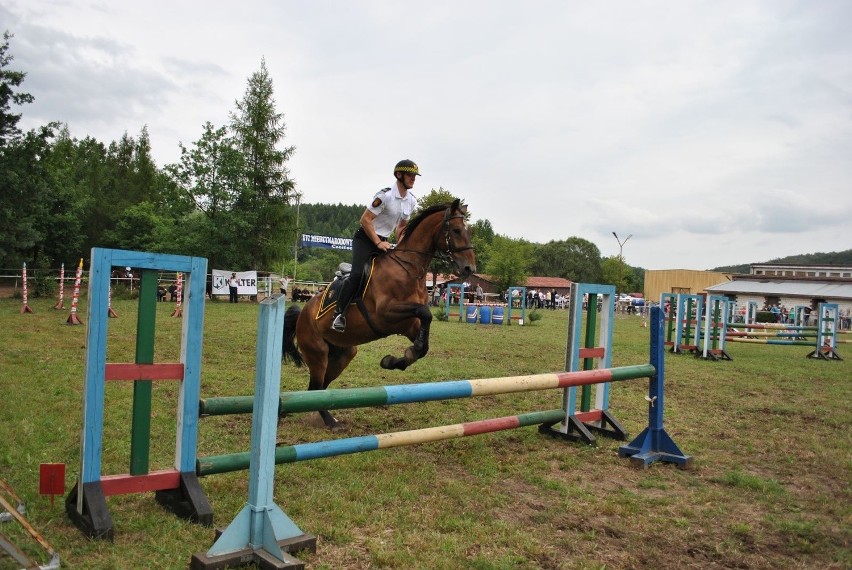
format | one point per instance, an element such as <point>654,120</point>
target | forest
<point>230,198</point>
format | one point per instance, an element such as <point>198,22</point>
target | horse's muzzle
<point>465,271</point>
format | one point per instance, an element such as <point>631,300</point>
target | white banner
<point>247,282</point>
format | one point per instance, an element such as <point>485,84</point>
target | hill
<point>830,258</point>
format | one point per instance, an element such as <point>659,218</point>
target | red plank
<point>131,371</point>
<point>596,352</point>
<point>127,484</point>
<point>590,416</point>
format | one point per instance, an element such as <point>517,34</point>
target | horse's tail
<point>290,350</point>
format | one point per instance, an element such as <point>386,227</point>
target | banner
<point>247,281</point>
<point>311,240</point>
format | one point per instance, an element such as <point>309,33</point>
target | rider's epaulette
<point>378,201</point>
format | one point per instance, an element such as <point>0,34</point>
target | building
<point>693,282</point>
<point>790,285</point>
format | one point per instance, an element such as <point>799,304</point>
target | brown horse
<point>395,301</point>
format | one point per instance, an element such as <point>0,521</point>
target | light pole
<point>296,244</point>
<point>621,245</point>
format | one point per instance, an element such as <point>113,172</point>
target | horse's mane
<point>412,224</point>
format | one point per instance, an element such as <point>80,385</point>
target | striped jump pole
<point>60,303</point>
<point>25,308</point>
<point>348,398</point>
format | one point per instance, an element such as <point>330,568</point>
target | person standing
<point>388,213</point>
<point>479,293</point>
<point>285,281</point>
<point>233,287</point>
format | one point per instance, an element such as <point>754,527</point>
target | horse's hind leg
<point>337,361</point>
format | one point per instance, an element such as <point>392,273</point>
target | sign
<point>247,282</point>
<point>311,240</point>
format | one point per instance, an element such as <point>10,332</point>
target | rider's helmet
<point>406,166</point>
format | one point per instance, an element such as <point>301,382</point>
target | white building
<point>791,285</point>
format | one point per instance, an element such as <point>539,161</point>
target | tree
<point>508,264</point>
<point>9,81</point>
<point>615,272</point>
<point>24,197</point>
<point>435,198</point>
<point>575,259</point>
<point>264,206</point>
<point>210,174</point>
<point>482,236</point>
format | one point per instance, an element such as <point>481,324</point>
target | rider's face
<point>408,180</point>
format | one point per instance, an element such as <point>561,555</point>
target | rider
<point>388,212</point>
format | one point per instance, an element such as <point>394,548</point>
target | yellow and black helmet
<point>406,166</point>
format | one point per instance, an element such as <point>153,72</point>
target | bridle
<point>445,254</point>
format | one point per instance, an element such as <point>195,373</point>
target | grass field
<point>770,433</point>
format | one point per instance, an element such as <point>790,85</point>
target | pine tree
<point>8,81</point>
<point>258,130</point>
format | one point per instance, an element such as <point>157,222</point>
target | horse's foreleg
<point>420,345</point>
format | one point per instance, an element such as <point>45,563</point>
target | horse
<point>395,301</point>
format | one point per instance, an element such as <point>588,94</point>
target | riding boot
<point>339,322</point>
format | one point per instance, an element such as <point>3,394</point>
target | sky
<point>711,133</point>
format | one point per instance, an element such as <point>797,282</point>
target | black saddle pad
<point>329,297</point>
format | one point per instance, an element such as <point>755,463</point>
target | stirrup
<point>339,323</point>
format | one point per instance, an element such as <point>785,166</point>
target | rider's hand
<point>384,246</point>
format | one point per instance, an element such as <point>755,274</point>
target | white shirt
<point>390,208</point>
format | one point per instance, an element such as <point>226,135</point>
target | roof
<point>816,289</point>
<point>548,282</point>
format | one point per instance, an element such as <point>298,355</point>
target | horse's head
<point>457,243</point>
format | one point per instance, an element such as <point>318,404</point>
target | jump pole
<point>25,308</point>
<point>73,318</point>
<point>60,303</point>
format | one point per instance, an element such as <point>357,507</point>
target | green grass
<point>770,486</point>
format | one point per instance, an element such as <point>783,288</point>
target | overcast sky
<point>714,132</point>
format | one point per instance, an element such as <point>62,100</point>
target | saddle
<point>328,302</point>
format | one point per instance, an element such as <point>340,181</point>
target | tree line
<point>229,198</point>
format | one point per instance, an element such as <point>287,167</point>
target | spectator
<point>479,293</point>
<point>233,288</point>
<point>285,281</point>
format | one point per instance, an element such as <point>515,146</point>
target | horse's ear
<point>455,205</point>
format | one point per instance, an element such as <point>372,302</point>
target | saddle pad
<point>328,301</point>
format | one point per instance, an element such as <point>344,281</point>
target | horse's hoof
<point>387,362</point>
